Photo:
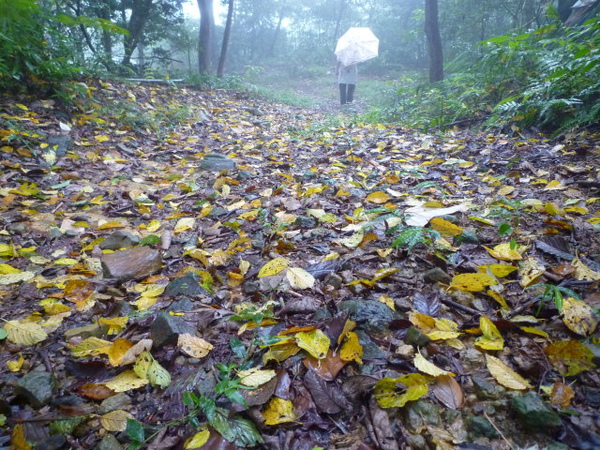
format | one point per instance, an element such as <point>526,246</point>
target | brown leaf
<point>449,392</point>
<point>327,368</point>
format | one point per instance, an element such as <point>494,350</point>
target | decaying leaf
<point>299,278</point>
<point>413,387</point>
<point>491,339</point>
<point>505,375</point>
<point>569,357</point>
<point>472,282</point>
<point>197,440</point>
<point>279,411</point>
<point>115,420</point>
<point>579,317</point>
<point>429,368</point>
<point>255,377</point>
<point>314,342</point>
<point>194,346</point>
<point>24,333</point>
<point>447,390</point>
<point>351,349</point>
<point>273,267</point>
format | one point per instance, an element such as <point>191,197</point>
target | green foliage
<point>554,294</point>
<point>408,237</point>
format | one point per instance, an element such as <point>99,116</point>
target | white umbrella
<point>356,45</point>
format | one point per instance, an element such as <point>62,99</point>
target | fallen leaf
<point>472,282</point>
<point>299,278</point>
<point>505,375</point>
<point>273,267</point>
<point>115,420</point>
<point>194,346</point>
<point>570,357</point>
<point>314,342</point>
<point>428,368</point>
<point>24,333</point>
<point>255,377</point>
<point>447,390</point>
<point>491,339</point>
<point>579,317</point>
<point>279,411</point>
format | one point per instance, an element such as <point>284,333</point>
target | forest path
<point>376,281</point>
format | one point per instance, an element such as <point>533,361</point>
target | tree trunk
<point>207,26</point>
<point>140,11</point>
<point>434,41</point>
<point>225,44</point>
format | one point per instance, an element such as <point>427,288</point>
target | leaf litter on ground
<point>348,271</point>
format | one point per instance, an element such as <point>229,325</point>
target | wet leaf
<point>279,411</point>
<point>505,375</point>
<point>412,387</point>
<point>570,357</point>
<point>505,252</point>
<point>562,395</point>
<point>300,278</point>
<point>351,349</point>
<point>445,227</point>
<point>316,343</point>
<point>115,420</point>
<point>449,392</point>
<point>491,339</point>
<point>194,346</point>
<point>273,267</point>
<point>126,381</point>
<point>579,317</point>
<point>472,282</point>
<point>428,368</point>
<point>24,333</point>
<point>255,377</point>
<point>197,440</point>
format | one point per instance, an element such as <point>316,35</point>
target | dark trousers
<point>346,93</point>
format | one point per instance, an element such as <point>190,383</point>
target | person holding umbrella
<point>347,77</point>
<point>356,45</point>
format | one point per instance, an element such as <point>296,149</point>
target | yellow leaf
<point>15,366</point>
<point>184,224</point>
<point>506,190</point>
<point>133,352</point>
<point>300,278</point>
<point>142,364</point>
<point>153,225</point>
<point>194,346</point>
<point>378,197</point>
<point>197,440</point>
<point>65,261</point>
<point>351,350</point>
<point>273,267</point>
<point>115,324</point>
<point>429,368</point>
<point>354,240</point>
<point>281,352</point>
<point>314,342</point>
<point>555,185</point>
<point>279,411</point>
<point>115,420</point>
<point>90,347</point>
<point>505,375</point>
<point>445,227</point>
<point>117,351</point>
<point>491,339</point>
<point>158,375</point>
<point>498,270</point>
<point>472,282</point>
<point>111,225</point>
<point>579,317</point>
<point>530,270</point>
<point>387,300</point>
<point>583,272</point>
<point>533,330</point>
<point>255,377</point>
<point>13,278</point>
<point>125,381</point>
<point>498,298</point>
<point>504,252</point>
<point>7,268</point>
<point>388,396</point>
<point>24,333</point>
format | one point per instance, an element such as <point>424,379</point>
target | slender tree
<point>226,34</point>
<point>207,27</point>
<point>434,41</point>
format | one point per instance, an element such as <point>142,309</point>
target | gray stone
<point>534,413</point>
<point>416,338</point>
<point>119,239</point>
<point>109,442</point>
<point>484,390</point>
<point>182,304</point>
<point>218,211</point>
<point>166,328</point>
<point>118,401</point>
<point>93,330</point>
<point>215,162</point>
<point>468,237</point>
<point>52,442</point>
<point>131,264</point>
<point>185,285</point>
<point>481,427</point>
<point>371,314</point>
<point>305,222</point>
<point>437,275</point>
<point>249,287</point>
<point>420,414</point>
<point>60,144</point>
<point>370,349</point>
<point>37,387</point>
<point>54,233</point>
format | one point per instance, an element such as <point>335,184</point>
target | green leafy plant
<point>554,294</point>
<point>408,237</point>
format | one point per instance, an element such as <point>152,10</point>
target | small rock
<point>109,442</point>
<point>333,280</point>
<point>37,387</point>
<point>215,162</point>
<point>370,349</point>
<point>468,237</point>
<point>166,328</point>
<point>371,314</point>
<point>437,275</point>
<point>52,442</point>
<point>481,427</point>
<point>60,143</point>
<point>534,413</point>
<point>484,390</point>
<point>416,338</point>
<point>420,414</point>
<point>187,285</point>
<point>249,288</point>
<point>131,264</point>
<point>305,222</point>
<point>182,304</point>
<point>405,351</point>
<point>118,401</point>
<point>119,239</point>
